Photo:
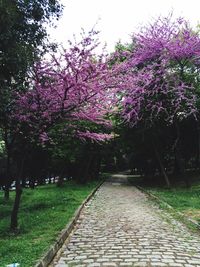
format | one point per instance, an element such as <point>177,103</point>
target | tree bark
<point>32,183</point>
<point>60,180</point>
<point>15,210</point>
<point>87,175</point>
<point>8,146</point>
<point>97,167</point>
<point>162,169</point>
<point>7,185</point>
<point>179,162</point>
<point>198,148</point>
<point>7,192</point>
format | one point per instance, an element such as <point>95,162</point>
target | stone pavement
<point>121,227</point>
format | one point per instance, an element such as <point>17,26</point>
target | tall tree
<point>160,79</point>
<point>23,39</point>
<point>71,94</point>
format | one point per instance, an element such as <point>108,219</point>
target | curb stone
<point>185,218</point>
<point>47,258</point>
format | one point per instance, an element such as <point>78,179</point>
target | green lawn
<point>181,199</point>
<point>44,212</point>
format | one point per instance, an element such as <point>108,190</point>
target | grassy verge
<point>181,199</point>
<point>44,212</point>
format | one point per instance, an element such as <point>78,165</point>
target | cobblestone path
<point>121,227</point>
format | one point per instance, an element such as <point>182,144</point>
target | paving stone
<point>125,256</point>
<point>141,264</point>
<point>120,226</point>
<point>126,264</point>
<point>176,265</point>
<point>168,260</point>
<point>109,264</point>
<point>102,260</point>
<point>117,260</point>
<point>131,260</point>
<point>160,264</point>
<point>74,262</point>
<point>197,262</point>
<point>95,264</point>
<point>88,261</point>
<point>180,261</point>
<point>81,257</point>
<point>168,256</point>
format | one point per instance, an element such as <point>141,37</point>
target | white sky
<point>117,19</point>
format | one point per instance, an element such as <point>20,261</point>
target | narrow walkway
<point>121,227</point>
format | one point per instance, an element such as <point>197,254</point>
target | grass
<point>44,212</point>
<point>182,199</point>
<point>185,200</point>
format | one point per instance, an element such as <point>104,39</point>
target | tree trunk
<point>50,176</point>
<point>198,147</point>
<point>14,214</point>
<point>162,169</point>
<point>87,175</point>
<point>15,210</point>
<point>181,167</point>
<point>7,185</point>
<point>83,169</point>
<point>24,182</point>
<point>97,167</point>
<point>32,183</point>
<point>7,192</point>
<point>179,162</point>
<point>60,181</point>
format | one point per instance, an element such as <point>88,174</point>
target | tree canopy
<point>143,98</point>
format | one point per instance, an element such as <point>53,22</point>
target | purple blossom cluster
<point>72,87</point>
<point>155,75</point>
<point>156,79</point>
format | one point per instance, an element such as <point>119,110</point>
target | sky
<point>117,19</point>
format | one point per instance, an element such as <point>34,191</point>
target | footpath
<point>120,226</point>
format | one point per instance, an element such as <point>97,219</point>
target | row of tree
<point>63,115</point>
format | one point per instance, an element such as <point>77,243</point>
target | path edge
<point>183,216</point>
<point>47,258</point>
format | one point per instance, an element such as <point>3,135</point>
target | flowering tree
<point>71,92</point>
<point>160,76</point>
<point>158,69</point>
<point>72,87</point>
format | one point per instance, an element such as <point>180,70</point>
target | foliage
<point>74,89</point>
<point>160,79</point>
<point>23,39</point>
<point>2,147</point>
